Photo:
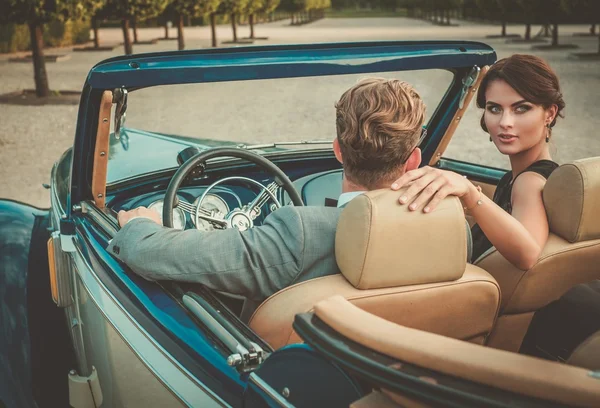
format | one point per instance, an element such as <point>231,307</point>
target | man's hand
<point>429,186</point>
<point>140,212</point>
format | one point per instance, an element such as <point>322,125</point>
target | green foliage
<point>269,6</point>
<point>195,8</point>
<point>127,9</point>
<point>254,6</point>
<point>233,6</point>
<point>548,11</point>
<point>42,11</point>
<point>13,37</point>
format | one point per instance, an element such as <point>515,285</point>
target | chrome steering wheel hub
<point>239,220</point>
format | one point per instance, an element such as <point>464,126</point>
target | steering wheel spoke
<point>253,209</point>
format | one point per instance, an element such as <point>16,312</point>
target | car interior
<point>406,290</point>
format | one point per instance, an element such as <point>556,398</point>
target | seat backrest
<point>571,255</point>
<point>405,266</point>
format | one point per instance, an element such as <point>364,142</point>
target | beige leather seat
<point>406,267</point>
<point>571,255</point>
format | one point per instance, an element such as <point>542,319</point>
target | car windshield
<point>163,120</point>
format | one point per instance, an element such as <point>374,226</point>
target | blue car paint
<point>17,221</point>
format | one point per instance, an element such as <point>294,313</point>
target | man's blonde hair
<point>379,123</point>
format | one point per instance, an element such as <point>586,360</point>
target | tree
<point>191,8</point>
<point>551,12</point>
<point>232,8</point>
<point>585,10</point>
<point>126,10</point>
<point>253,7</point>
<point>269,7</point>
<point>497,10</point>
<point>35,13</point>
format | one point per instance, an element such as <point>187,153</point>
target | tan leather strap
<point>101,150</point>
<point>457,118</point>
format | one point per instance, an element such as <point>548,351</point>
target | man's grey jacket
<point>294,244</point>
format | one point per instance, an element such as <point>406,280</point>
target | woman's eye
<point>494,109</point>
<point>522,109</point>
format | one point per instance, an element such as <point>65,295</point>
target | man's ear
<point>414,160</point>
<point>337,151</point>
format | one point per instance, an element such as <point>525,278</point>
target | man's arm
<point>254,263</point>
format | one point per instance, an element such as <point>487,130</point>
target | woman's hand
<point>429,186</point>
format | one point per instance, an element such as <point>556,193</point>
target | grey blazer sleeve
<point>253,263</point>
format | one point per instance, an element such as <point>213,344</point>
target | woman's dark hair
<point>530,76</point>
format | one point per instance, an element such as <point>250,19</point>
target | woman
<point>522,99</point>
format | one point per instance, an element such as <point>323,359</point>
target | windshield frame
<point>133,72</point>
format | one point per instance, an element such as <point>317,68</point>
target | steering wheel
<point>240,218</point>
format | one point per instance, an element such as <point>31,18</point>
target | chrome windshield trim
<point>100,295</point>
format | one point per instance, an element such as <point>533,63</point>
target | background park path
<point>32,138</point>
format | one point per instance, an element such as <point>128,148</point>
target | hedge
<point>56,34</point>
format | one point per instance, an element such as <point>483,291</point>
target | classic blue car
<point>79,328</point>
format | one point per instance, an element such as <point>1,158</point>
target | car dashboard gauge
<point>178,214</point>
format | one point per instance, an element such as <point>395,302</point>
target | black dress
<point>502,197</point>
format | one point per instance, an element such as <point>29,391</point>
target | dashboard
<point>315,189</point>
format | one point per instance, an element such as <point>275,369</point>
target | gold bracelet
<point>479,202</point>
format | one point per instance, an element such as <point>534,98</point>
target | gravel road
<point>33,137</point>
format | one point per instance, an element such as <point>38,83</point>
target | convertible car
<point>221,138</point>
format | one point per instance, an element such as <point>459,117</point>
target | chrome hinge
<point>67,234</point>
<point>247,360</point>
<point>468,82</point>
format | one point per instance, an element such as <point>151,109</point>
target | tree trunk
<point>126,38</point>
<point>39,64</point>
<point>166,30</point>
<point>95,28</point>
<point>134,27</point>
<point>213,28</point>
<point>251,22</point>
<point>554,34</point>
<point>180,41</point>
<point>527,31</point>
<point>546,30</point>
<point>503,28</point>
<point>233,27</point>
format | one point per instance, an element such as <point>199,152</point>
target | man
<point>379,123</point>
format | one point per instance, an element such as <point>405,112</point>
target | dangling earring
<point>548,132</point>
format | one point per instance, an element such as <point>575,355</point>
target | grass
<point>353,13</point>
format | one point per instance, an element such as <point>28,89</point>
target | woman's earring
<point>548,132</point>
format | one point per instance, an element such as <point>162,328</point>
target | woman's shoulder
<point>542,167</point>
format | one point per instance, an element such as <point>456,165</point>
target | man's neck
<point>349,186</point>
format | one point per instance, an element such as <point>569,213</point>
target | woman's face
<point>514,124</point>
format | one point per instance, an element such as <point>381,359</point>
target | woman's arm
<point>519,238</point>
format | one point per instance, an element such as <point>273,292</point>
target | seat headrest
<point>572,198</point>
<point>380,243</point>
